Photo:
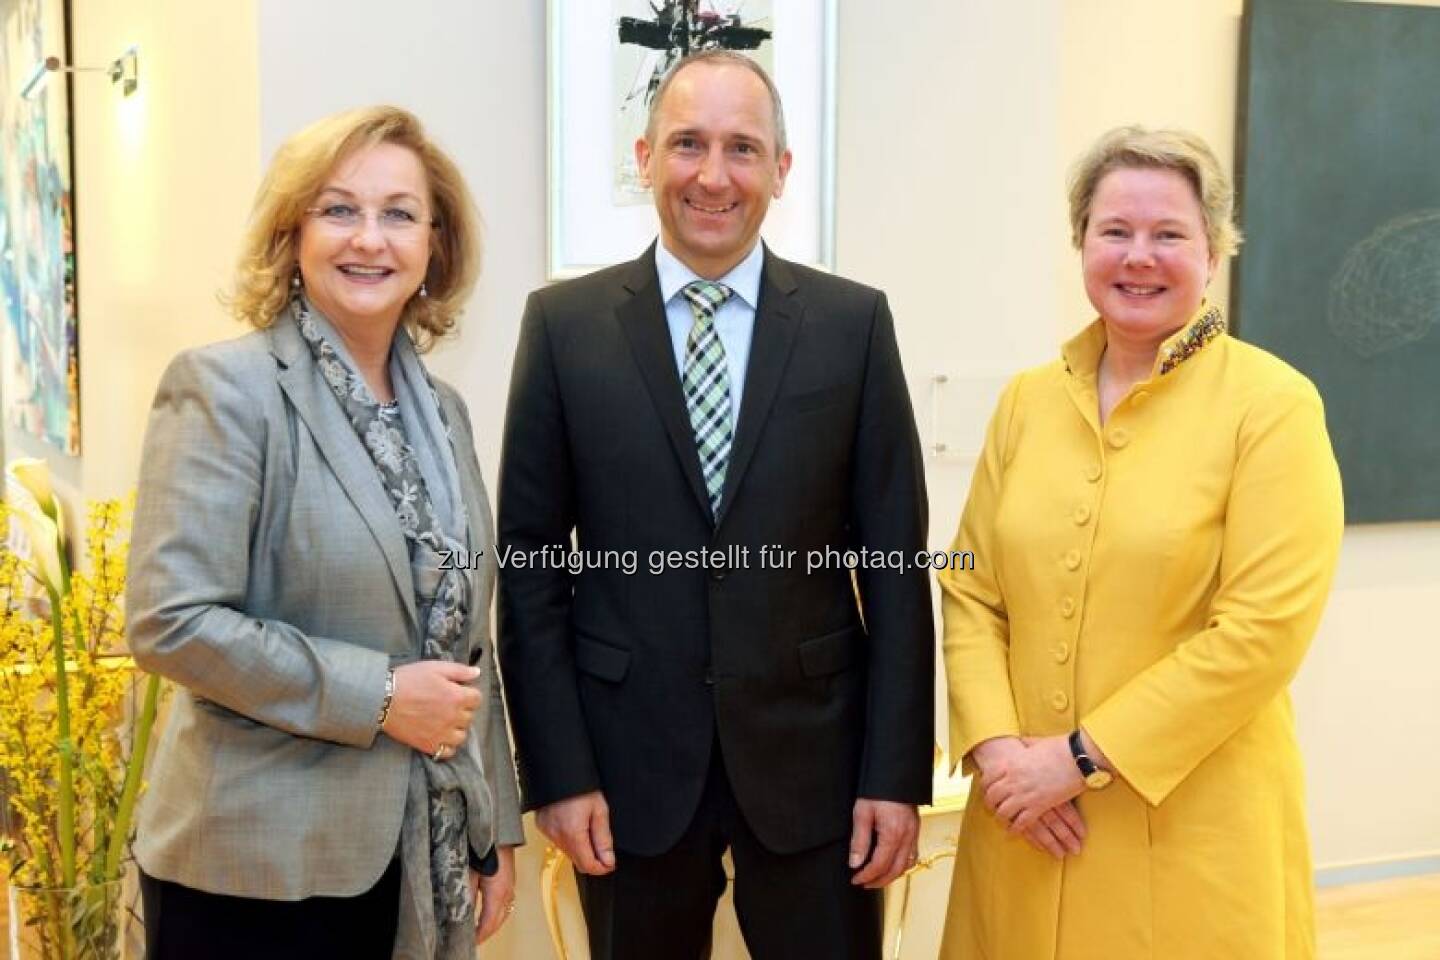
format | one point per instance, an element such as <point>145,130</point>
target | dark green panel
<point>1340,202</point>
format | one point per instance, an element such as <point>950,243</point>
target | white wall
<point>162,183</point>
<point>475,74</point>
<point>957,120</point>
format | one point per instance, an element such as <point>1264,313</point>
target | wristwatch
<point>1095,778</point>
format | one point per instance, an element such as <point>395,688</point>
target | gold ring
<point>509,908</point>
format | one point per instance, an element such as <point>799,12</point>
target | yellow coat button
<point>1059,701</point>
<point>1067,607</point>
<point>1119,437</point>
<point>1062,652</point>
<point>1072,560</point>
<point>1092,472</point>
<point>1082,515</point>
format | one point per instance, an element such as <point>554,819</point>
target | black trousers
<point>791,907</point>
<point>182,923</point>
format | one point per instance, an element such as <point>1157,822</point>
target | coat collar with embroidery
<point>1082,352</point>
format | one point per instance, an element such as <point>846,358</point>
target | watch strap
<point>1082,759</point>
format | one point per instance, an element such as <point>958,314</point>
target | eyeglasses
<point>397,221</point>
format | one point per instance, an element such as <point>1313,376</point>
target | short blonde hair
<point>1178,150</point>
<point>297,175</point>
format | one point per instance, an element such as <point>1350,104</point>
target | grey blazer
<point>270,580</point>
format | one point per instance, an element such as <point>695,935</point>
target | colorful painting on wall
<point>41,373</point>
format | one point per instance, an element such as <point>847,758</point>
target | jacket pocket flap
<point>813,399</point>
<point>601,660</point>
<point>830,652</point>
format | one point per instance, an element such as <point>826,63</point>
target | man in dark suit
<point>738,653</point>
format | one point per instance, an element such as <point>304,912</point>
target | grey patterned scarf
<point>423,484</point>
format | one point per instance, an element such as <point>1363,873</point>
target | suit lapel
<point>336,439</point>
<point>777,321</point>
<point>642,317</point>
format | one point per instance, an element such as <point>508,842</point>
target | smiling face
<point>364,273</point>
<point>1146,257</point>
<point>713,165</point>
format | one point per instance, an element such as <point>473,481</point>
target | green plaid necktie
<point>707,387</point>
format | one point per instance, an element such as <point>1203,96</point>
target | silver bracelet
<point>389,699</point>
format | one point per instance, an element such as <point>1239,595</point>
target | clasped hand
<point>1029,784</point>
<point>433,705</point>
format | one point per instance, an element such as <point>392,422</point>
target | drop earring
<point>423,292</point>
<point>295,283</point>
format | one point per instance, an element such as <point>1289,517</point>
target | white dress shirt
<point>734,321</point>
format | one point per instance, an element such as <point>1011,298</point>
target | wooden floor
<point>1387,920</point>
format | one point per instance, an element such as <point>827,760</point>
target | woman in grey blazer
<point>311,565</point>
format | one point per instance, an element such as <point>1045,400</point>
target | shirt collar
<point>743,279</point>
<point>1082,352</point>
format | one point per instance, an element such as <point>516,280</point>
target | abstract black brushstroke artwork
<point>651,36</point>
<point>680,28</point>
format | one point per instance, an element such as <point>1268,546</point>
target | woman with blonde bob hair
<point>309,566</point>
<point>1155,518</point>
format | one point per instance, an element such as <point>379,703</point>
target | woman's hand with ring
<point>497,895</point>
<point>432,706</point>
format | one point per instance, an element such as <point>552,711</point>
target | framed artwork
<point>37,230</point>
<point>606,60</point>
<point>1339,137</point>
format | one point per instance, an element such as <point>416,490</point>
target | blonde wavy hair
<point>296,176</point>
<point>1179,150</point>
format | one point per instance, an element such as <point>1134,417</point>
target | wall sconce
<point>124,70</point>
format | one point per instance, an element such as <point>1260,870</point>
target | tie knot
<point>706,296</point>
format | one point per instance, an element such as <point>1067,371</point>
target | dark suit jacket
<point>819,688</point>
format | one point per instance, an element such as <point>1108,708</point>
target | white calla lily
<point>32,503</point>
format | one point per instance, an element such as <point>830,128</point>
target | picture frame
<point>597,97</point>
<point>40,320</point>
<point>1340,206</point>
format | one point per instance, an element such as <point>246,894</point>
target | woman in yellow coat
<point>1155,521</point>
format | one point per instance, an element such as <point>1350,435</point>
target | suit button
<point>1067,607</point>
<point>1059,701</point>
<point>1092,472</point>
<point>1072,560</point>
<point>1082,515</point>
<point>1062,652</point>
<point>709,677</point>
<point>1119,437</point>
<point>717,574</point>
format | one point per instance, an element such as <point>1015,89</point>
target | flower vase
<point>67,923</point>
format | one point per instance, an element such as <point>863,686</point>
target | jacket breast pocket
<point>601,660</point>
<point>831,652</point>
<point>812,399</point>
